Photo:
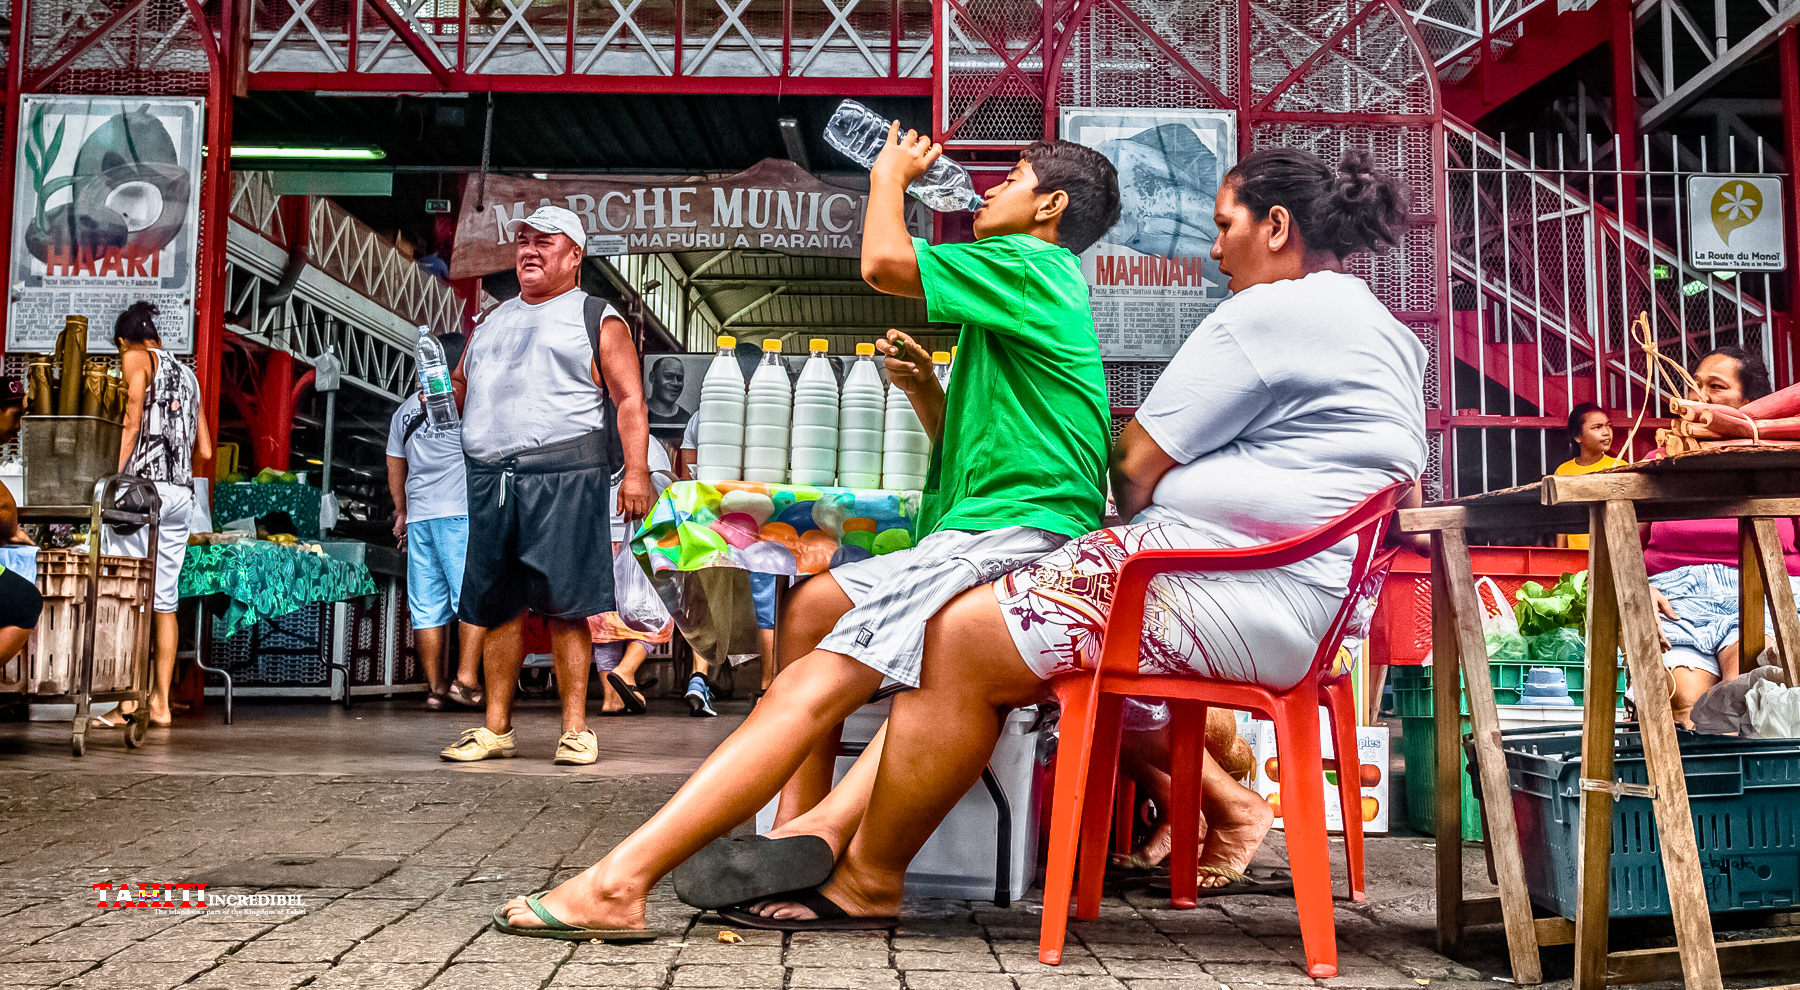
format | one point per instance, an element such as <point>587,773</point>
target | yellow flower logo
<point>1734,205</point>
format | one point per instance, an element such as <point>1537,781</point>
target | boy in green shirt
<point>1017,467</point>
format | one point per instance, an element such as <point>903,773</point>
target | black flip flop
<point>737,871</point>
<point>635,703</point>
<point>831,918</point>
<point>1239,883</point>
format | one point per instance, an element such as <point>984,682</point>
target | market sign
<point>775,205</point>
<point>106,212</point>
<point>1735,223</point>
<point>1150,279</point>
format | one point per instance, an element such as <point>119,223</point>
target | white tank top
<point>530,378</point>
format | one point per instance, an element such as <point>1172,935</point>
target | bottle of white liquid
<point>814,442</point>
<point>767,413</point>
<point>861,133</point>
<point>860,413</point>
<point>434,380</point>
<point>720,452</point>
<point>905,449</point>
<point>940,366</point>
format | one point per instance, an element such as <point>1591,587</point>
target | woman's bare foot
<point>586,900</point>
<point>1154,851</point>
<point>1238,820</point>
<point>858,899</point>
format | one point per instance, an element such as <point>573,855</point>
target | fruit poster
<point>106,211</point>
<point>1150,279</point>
<point>1371,770</point>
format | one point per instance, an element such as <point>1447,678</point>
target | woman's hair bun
<point>1364,209</point>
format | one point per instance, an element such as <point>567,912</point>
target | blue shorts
<point>762,594</point>
<point>435,549</point>
<point>1706,598</point>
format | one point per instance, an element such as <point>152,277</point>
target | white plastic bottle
<point>860,134</point>
<point>767,412</point>
<point>720,452</point>
<point>940,366</point>
<point>860,413</point>
<point>814,442</point>
<point>905,449</point>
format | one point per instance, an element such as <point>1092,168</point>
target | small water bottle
<point>940,366</point>
<point>861,133</point>
<point>434,381</point>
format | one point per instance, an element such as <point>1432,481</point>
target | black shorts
<point>540,534</point>
<point>20,603</point>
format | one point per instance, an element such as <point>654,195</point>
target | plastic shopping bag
<point>1774,710</point>
<point>1498,626</point>
<point>636,600</point>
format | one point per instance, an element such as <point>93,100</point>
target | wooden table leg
<point>1751,596</point>
<point>1594,875</point>
<point>1662,754</point>
<point>1490,761</point>
<point>1772,568</point>
<point>1446,700</point>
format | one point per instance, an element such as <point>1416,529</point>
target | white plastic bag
<point>1774,710</point>
<point>637,602</point>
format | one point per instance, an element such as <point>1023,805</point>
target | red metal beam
<point>1307,63</point>
<point>215,209</point>
<point>9,139</point>
<point>37,82</point>
<point>1788,46</point>
<point>1548,46</point>
<point>463,82</point>
<point>416,45</point>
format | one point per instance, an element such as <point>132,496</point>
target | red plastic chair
<point>1088,752</point>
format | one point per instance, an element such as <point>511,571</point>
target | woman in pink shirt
<point>1693,564</point>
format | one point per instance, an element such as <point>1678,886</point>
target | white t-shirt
<point>530,377</point>
<point>1291,403</point>
<point>690,437</point>
<point>659,461</point>
<point>435,484</point>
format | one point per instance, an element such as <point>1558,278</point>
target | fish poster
<point>1150,279</point>
<point>106,212</point>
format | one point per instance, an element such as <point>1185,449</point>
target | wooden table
<point>1755,485</point>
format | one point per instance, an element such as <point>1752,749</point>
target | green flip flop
<point>552,928</point>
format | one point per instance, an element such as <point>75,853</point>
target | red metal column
<point>274,422</point>
<point>9,141</point>
<point>1789,45</point>
<point>1625,105</point>
<point>215,191</point>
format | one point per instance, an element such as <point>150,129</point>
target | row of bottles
<point>809,433</point>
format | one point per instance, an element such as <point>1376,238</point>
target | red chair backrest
<point>1366,522</point>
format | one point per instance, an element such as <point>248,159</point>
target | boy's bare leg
<point>430,649</point>
<point>813,609</point>
<point>835,819</point>
<point>747,769</point>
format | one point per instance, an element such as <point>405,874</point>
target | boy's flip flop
<point>736,871</point>
<point>629,694</point>
<point>831,918</point>
<point>1237,883</point>
<point>555,929</point>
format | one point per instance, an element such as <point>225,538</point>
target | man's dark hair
<point>1337,211</point>
<point>1091,183</point>
<point>656,366</point>
<point>1753,375</point>
<point>137,324</point>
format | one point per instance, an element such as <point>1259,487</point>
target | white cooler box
<point>962,858</point>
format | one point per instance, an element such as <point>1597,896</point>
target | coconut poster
<point>1150,279</point>
<point>106,212</point>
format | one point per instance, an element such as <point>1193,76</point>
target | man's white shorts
<point>171,542</point>
<point>895,594</point>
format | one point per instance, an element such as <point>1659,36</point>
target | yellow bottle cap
<point>818,344</point>
<point>865,350</point>
<point>727,341</point>
<point>772,344</point>
<point>952,353</point>
<point>940,357</point>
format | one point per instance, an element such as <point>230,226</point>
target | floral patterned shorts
<point>1261,627</point>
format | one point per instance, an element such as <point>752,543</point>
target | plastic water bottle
<point>434,381</point>
<point>940,366</point>
<point>767,413</point>
<point>860,413</point>
<point>861,133</point>
<point>814,441</point>
<point>905,448</point>
<point>720,449</point>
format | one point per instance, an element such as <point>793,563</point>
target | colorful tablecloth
<point>248,499</point>
<point>774,529</point>
<point>265,579</point>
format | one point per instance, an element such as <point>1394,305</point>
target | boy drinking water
<point>1018,456</point>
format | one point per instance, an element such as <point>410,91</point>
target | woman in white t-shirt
<point>1300,396</point>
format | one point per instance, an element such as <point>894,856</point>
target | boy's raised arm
<point>888,262</point>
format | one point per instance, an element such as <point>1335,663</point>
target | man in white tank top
<point>534,437</point>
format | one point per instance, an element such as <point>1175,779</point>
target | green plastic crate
<point>1412,687</point>
<point>1419,747</point>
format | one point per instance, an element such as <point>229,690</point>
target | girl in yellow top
<point>1590,436</point>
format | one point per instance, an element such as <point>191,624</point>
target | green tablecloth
<point>250,500</point>
<point>264,579</point>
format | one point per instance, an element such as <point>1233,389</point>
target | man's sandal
<point>552,928</point>
<point>738,871</point>
<point>630,694</point>
<point>831,918</point>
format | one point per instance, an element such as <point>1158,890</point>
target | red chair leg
<point>1303,809</point>
<point>1124,815</point>
<point>1096,813</point>
<point>1341,706</point>
<point>1072,754</point>
<point>1187,761</point>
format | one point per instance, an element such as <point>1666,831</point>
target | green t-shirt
<point>1026,421</point>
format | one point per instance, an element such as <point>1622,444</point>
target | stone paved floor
<point>307,781</point>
